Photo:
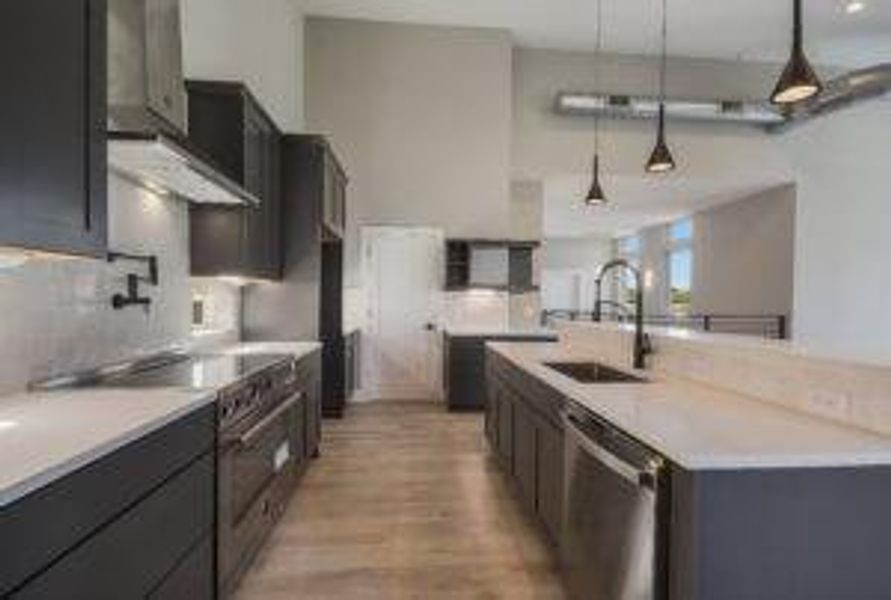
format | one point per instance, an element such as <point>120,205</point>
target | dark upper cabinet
<point>52,118</point>
<point>334,196</point>
<point>506,265</point>
<point>228,125</point>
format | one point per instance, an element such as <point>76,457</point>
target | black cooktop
<point>198,371</point>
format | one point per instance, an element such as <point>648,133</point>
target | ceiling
<point>636,202</point>
<point>734,29</point>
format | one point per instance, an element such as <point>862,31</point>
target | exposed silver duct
<point>841,92</point>
<point>615,106</point>
<point>838,93</point>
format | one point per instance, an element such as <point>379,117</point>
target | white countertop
<point>700,427</point>
<point>45,436</point>
<point>296,349</point>
<point>505,333</point>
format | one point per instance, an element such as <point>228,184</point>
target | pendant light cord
<point>663,66</point>
<point>597,54</point>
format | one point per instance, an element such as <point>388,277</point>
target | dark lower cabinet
<point>464,358</point>
<point>530,446</point>
<point>524,454</point>
<point>309,373</point>
<point>127,526</point>
<point>549,477</point>
<point>53,165</point>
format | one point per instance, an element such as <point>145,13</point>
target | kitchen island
<point>721,494</point>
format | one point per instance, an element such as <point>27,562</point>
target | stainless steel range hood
<point>162,164</point>
<point>147,107</point>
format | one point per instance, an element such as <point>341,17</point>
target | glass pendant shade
<point>798,81</point>
<point>661,160</point>
<point>595,196</point>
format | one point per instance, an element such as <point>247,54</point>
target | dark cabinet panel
<point>310,303</point>
<point>228,125</point>
<point>309,382</point>
<point>193,578</point>
<point>133,554</point>
<point>39,528</point>
<point>524,455</point>
<point>52,117</point>
<point>464,367</point>
<point>549,481</point>
<point>505,428</point>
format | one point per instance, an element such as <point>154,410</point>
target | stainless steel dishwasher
<point>614,540</point>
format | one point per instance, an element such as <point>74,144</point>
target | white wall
<point>57,313</point>
<point>420,117</point>
<point>744,256</point>
<point>843,240</point>
<point>259,42</point>
<point>569,268</point>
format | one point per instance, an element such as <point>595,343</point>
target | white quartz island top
<point>700,427</point>
<point>45,436</point>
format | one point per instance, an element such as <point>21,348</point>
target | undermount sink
<point>585,372</point>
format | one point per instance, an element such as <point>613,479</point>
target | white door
<point>403,273</point>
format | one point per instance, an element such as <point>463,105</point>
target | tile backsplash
<point>57,315</point>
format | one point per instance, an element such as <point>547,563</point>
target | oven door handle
<point>248,437</point>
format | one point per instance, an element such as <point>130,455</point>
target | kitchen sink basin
<point>585,372</point>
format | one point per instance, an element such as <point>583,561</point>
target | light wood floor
<point>403,503</point>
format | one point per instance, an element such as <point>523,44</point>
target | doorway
<point>402,273</point>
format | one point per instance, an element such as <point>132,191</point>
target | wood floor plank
<point>404,503</point>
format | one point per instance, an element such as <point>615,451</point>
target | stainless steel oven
<point>614,543</point>
<point>259,459</point>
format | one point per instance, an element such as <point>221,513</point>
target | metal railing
<point>767,326</point>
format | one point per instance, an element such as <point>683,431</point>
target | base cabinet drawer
<point>132,555</point>
<point>193,578</point>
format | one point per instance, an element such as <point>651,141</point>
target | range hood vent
<point>842,92</point>
<point>614,106</point>
<point>163,164</point>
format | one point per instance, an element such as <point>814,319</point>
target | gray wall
<point>420,117</point>
<point>842,271</point>
<point>744,255</point>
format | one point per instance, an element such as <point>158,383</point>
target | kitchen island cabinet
<point>464,357</point>
<point>763,527</point>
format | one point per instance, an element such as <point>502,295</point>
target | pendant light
<point>661,160</point>
<point>595,196</point>
<point>798,81</point>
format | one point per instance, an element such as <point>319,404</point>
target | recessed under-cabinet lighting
<point>852,8</point>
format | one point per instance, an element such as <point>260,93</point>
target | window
<point>680,267</point>
<point>629,248</point>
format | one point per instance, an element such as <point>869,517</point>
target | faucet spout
<point>642,346</point>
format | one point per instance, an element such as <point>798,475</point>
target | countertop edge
<point>68,466</point>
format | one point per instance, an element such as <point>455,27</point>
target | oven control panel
<point>256,394</point>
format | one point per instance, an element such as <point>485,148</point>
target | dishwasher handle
<point>646,477</point>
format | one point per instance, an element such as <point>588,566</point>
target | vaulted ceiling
<point>746,29</point>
